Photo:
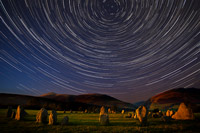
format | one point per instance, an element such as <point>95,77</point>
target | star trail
<point>129,49</point>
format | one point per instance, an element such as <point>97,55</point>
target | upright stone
<point>9,111</point>
<point>169,113</point>
<point>102,110</point>
<point>122,112</point>
<point>20,113</point>
<point>141,113</point>
<point>53,117</point>
<point>104,119</point>
<point>65,120</point>
<point>109,111</point>
<point>42,116</point>
<point>183,113</point>
<point>86,111</point>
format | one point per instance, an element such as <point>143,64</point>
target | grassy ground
<point>79,122</point>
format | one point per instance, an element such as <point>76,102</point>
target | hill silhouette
<point>91,99</point>
<point>171,99</point>
<point>51,100</point>
<point>178,95</point>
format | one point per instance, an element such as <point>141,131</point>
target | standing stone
<point>65,120</point>
<point>13,115</point>
<point>122,112</point>
<point>9,111</point>
<point>183,113</point>
<point>42,116</point>
<point>142,114</point>
<point>20,113</point>
<point>102,110</point>
<point>104,119</point>
<point>53,117</point>
<point>169,113</point>
<point>109,111</point>
<point>86,111</point>
<point>135,116</point>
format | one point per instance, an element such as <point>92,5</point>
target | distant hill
<point>91,99</point>
<point>179,95</point>
<point>33,102</point>
<point>172,98</point>
<point>63,101</point>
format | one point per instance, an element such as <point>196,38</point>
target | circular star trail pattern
<point>129,49</point>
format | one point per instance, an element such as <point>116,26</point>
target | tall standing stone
<point>42,116</point>
<point>102,110</point>
<point>9,111</point>
<point>183,113</point>
<point>20,114</point>
<point>141,113</point>
<point>53,117</point>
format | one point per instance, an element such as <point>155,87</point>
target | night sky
<point>128,49</point>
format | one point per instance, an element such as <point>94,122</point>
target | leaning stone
<point>20,114</point>
<point>9,111</point>
<point>53,117</point>
<point>42,116</point>
<point>104,119</point>
<point>65,120</point>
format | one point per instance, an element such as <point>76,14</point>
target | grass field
<point>79,122</point>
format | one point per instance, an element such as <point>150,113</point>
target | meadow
<point>89,122</point>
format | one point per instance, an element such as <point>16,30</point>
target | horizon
<point>130,50</point>
<point>102,94</point>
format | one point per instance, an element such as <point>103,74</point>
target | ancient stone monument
<point>53,117</point>
<point>184,113</point>
<point>141,113</point>
<point>20,114</point>
<point>102,110</point>
<point>41,116</point>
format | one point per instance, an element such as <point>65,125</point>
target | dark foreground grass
<point>79,122</point>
